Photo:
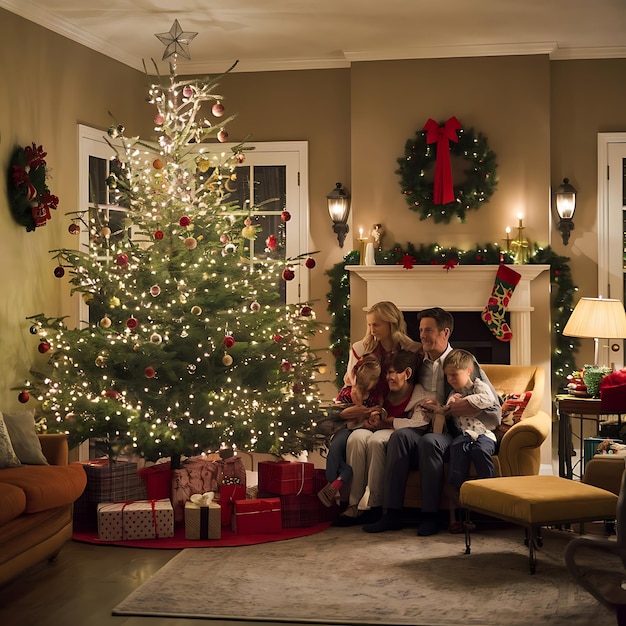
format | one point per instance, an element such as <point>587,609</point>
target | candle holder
<point>520,245</point>
<point>362,244</point>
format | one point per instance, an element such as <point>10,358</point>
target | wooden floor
<point>83,584</point>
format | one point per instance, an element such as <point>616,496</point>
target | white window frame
<point>292,154</point>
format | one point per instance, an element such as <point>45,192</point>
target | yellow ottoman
<point>536,501</point>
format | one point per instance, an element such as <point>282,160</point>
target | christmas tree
<point>189,345</point>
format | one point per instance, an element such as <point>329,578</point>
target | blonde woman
<point>385,337</point>
<point>386,333</point>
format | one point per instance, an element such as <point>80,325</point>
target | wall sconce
<point>565,200</point>
<point>339,209</point>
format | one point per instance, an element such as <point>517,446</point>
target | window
<point>271,179</point>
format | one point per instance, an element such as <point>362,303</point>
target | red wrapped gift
<point>285,478</point>
<point>300,511</point>
<point>158,480</point>
<point>227,496</point>
<point>257,516</point>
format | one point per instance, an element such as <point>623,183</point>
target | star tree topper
<point>176,41</point>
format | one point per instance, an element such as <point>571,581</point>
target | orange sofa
<point>36,503</point>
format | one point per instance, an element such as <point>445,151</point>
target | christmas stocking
<point>493,314</point>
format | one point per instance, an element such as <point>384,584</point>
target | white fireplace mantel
<point>462,288</point>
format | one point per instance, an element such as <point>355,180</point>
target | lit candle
<point>519,217</point>
<point>360,233</point>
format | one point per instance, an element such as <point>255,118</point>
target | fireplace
<point>471,334</point>
<point>463,290</point>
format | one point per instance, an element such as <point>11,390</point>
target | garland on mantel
<point>563,348</point>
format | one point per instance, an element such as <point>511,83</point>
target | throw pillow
<point>513,405</point>
<point>7,454</point>
<point>21,428</point>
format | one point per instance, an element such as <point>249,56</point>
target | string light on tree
<point>183,329</point>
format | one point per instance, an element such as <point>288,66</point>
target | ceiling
<point>308,34</point>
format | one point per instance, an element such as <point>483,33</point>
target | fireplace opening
<point>471,334</point>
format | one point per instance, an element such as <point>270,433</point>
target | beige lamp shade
<point>597,317</point>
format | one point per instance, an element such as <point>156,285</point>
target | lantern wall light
<point>339,208</point>
<point>565,201</point>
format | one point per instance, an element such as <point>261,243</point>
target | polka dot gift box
<point>142,519</point>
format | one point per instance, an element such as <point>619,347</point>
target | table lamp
<point>597,318</point>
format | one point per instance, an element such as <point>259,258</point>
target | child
<point>338,472</point>
<point>475,441</point>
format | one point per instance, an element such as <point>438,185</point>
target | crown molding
<point>608,52</point>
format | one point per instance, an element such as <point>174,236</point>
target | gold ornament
<point>227,360</point>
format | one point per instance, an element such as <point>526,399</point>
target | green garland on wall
<point>563,348</point>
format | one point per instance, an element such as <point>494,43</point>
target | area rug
<point>228,538</point>
<point>346,576</point>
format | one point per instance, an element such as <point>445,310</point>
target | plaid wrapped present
<point>144,519</point>
<point>203,517</point>
<point>257,516</point>
<point>107,481</point>
<point>300,511</point>
<point>285,478</point>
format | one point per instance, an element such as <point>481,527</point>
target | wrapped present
<point>202,474</point>
<point>203,517</point>
<point>107,481</point>
<point>285,478</point>
<point>158,480</point>
<point>228,494</point>
<point>196,475</point>
<point>300,511</point>
<point>143,519</point>
<point>257,516</point>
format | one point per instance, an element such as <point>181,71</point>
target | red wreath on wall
<point>29,197</point>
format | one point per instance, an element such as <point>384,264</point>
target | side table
<point>584,409</point>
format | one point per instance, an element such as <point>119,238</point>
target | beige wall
<point>540,117</point>
<point>49,85</point>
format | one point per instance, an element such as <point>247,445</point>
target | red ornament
<point>43,347</point>
<point>217,109</point>
<point>159,119</point>
<point>59,272</point>
<point>112,393</point>
<point>285,366</point>
<point>450,265</point>
<point>278,338</point>
<point>310,263</point>
<point>288,274</point>
<point>222,136</point>
<point>157,164</point>
<point>229,341</point>
<point>132,323</point>
<point>149,372</point>
<point>306,311</point>
<point>240,157</point>
<point>285,216</point>
<point>23,397</point>
<point>271,242</point>
<point>184,221</point>
<point>158,235</point>
<point>73,229</point>
<point>122,261</point>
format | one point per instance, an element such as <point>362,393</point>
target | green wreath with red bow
<point>29,197</point>
<point>443,198</point>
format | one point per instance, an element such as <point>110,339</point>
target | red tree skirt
<point>178,541</point>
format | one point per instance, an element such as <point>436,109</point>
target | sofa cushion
<point>12,503</point>
<point>47,486</point>
<point>8,458</point>
<point>21,427</point>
